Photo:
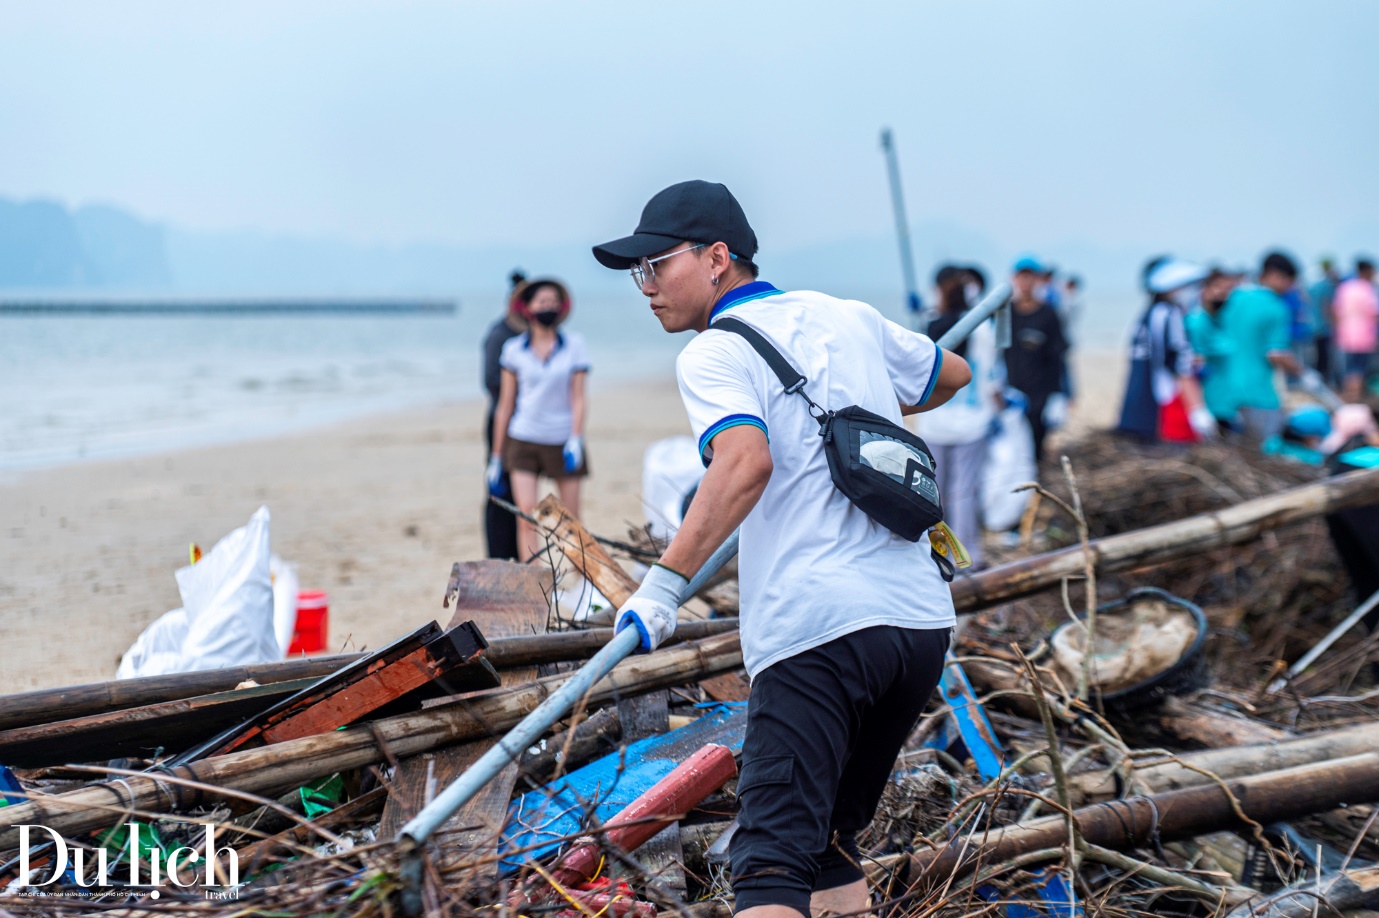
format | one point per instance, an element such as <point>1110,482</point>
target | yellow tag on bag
<point>942,540</point>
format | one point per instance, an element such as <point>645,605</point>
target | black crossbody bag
<point>885,470</point>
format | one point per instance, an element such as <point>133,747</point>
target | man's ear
<point>719,257</point>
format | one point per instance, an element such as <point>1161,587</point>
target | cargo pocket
<point>768,797</point>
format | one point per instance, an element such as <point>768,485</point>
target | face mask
<point>547,318</point>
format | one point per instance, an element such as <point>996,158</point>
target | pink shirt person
<point>1356,307</point>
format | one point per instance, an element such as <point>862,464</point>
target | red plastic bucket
<point>313,620</point>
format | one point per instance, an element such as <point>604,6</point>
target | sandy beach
<point>373,512</point>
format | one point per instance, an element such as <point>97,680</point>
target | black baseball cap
<point>694,211</point>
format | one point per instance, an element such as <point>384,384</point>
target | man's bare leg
<point>768,911</point>
<point>840,900</point>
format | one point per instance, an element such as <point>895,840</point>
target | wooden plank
<point>728,687</point>
<point>662,856</point>
<point>139,732</point>
<point>506,599</point>
<point>359,689</point>
<point>584,552</point>
<point>569,749</point>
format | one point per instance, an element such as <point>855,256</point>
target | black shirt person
<point>1034,360</point>
<point>500,526</point>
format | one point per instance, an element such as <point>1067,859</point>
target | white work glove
<point>574,454</point>
<point>494,475</point>
<point>654,608</point>
<point>1203,422</point>
<point>1055,411</point>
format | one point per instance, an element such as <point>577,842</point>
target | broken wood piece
<point>569,749</point>
<point>140,732</point>
<point>1340,892</point>
<point>425,656</point>
<point>1276,796</point>
<point>583,551</point>
<point>691,781</point>
<point>728,687</point>
<point>271,769</point>
<point>1213,729</point>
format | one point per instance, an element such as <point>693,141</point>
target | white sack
<point>158,650</point>
<point>1009,464</point>
<point>229,601</point>
<point>671,469</point>
<point>227,616</point>
<point>285,589</point>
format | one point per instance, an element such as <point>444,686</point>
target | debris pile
<point>1178,768</point>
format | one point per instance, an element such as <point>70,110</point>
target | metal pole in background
<point>902,225</point>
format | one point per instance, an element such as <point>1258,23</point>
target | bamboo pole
<point>1276,796</point>
<point>1242,522</point>
<point>46,706</point>
<point>282,766</point>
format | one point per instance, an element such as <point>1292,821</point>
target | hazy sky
<point>1191,125</point>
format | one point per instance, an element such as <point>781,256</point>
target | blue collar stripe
<point>559,342</point>
<point>732,420</point>
<point>756,290</point>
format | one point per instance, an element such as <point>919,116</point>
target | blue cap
<point>1027,263</point>
<point>1310,421</point>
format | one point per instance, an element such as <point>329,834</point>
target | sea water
<point>83,387</point>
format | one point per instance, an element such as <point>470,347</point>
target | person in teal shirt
<point>1203,327</point>
<point>1255,327</point>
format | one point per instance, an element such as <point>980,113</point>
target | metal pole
<point>902,225</point>
<point>1310,657</point>
<point>989,306</point>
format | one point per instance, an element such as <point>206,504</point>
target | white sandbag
<point>671,469</point>
<point>286,586</point>
<point>229,601</point>
<point>158,650</point>
<point>1009,464</point>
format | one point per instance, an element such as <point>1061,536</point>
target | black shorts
<point>823,731</point>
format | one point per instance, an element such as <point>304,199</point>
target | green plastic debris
<point>116,841</point>
<point>323,797</point>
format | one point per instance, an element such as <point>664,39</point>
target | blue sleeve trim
<point>933,377</point>
<point>732,420</point>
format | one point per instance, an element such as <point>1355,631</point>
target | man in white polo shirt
<point>844,624</point>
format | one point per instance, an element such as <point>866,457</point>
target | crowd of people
<point>1215,351</point>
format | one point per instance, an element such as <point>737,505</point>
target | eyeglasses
<point>644,270</point>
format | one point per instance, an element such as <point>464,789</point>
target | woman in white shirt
<point>957,432</point>
<point>538,428</point>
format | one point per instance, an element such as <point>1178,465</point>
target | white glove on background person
<point>653,610</point>
<point>1055,411</point>
<point>1203,422</point>
<point>574,454</point>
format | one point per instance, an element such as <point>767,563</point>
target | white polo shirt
<point>812,567</point>
<point>543,413</point>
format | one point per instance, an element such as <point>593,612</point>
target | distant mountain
<point>43,245</point>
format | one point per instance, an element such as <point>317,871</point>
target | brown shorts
<point>540,459</point>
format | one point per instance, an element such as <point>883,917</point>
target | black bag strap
<point>789,377</point>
